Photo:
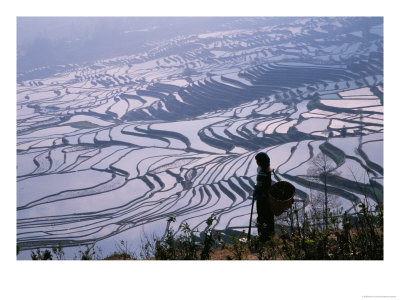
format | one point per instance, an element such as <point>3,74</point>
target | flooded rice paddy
<point>110,151</point>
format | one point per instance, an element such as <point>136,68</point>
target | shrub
<point>209,240</point>
<point>171,248</point>
<point>41,255</point>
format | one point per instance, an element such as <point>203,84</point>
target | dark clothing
<point>265,219</point>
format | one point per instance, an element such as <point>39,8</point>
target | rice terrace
<point>109,149</point>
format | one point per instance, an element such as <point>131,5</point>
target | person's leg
<point>262,219</point>
<point>270,223</point>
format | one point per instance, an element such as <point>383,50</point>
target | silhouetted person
<point>265,219</point>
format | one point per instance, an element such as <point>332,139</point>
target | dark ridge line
<point>228,193</point>
<point>36,163</point>
<point>85,158</point>
<point>242,165</point>
<point>54,232</point>
<point>320,187</point>
<point>143,204</point>
<point>131,205</point>
<point>154,171</point>
<point>64,168</point>
<point>189,176</point>
<point>229,164</point>
<point>336,154</point>
<point>22,177</point>
<point>377,93</point>
<point>164,208</point>
<point>93,231</point>
<point>227,210</point>
<point>65,220</point>
<point>184,97</point>
<point>168,88</point>
<point>166,166</point>
<point>80,159</point>
<point>39,165</point>
<point>145,133</point>
<point>62,220</point>
<point>187,209</point>
<point>292,151</point>
<point>93,167</point>
<point>31,147</point>
<point>97,215</point>
<point>311,152</point>
<point>215,170</point>
<point>29,205</point>
<point>170,134</point>
<point>235,82</point>
<point>247,187</point>
<point>199,215</point>
<point>364,166</point>
<point>360,124</point>
<point>316,104</point>
<point>366,189</point>
<point>151,94</point>
<point>235,217</point>
<point>223,144</point>
<point>119,171</point>
<point>144,217</point>
<point>370,164</point>
<point>236,189</point>
<point>90,231</point>
<point>157,179</point>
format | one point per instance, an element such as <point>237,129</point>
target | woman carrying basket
<point>265,219</point>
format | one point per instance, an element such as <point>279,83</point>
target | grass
<point>301,237</point>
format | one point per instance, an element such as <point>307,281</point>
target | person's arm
<point>263,181</point>
<point>276,176</point>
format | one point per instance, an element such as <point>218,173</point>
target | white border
<point>197,280</point>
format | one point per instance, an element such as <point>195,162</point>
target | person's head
<point>262,160</point>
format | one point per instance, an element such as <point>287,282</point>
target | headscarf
<point>263,160</point>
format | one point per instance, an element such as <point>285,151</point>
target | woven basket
<point>281,196</point>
